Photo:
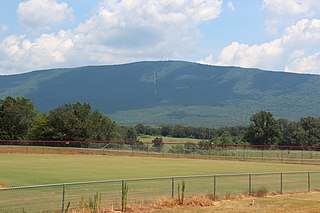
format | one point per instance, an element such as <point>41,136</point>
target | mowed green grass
<point>33,169</point>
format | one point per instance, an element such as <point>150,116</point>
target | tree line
<point>78,121</point>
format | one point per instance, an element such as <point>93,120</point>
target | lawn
<point>31,169</point>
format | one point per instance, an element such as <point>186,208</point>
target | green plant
<point>124,196</point>
<point>181,194</point>
<point>93,205</point>
<point>67,208</point>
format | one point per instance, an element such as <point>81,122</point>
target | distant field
<point>31,169</point>
<point>149,138</point>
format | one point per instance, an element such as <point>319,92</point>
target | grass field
<point>31,169</point>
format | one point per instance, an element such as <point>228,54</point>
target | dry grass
<point>292,202</point>
<point>195,201</point>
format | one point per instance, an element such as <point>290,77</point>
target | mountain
<point>171,92</point>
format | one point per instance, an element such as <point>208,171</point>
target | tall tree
<point>40,128</point>
<point>16,117</point>
<point>263,129</point>
<point>78,122</point>
<point>311,127</point>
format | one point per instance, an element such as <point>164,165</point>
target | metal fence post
<point>172,187</point>
<point>122,195</point>
<point>309,186</point>
<point>249,184</point>
<point>214,187</point>
<point>63,197</point>
<point>281,183</point>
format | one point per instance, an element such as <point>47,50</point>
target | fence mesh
<point>37,199</point>
<point>59,197</point>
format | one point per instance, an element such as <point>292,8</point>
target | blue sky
<point>281,35</point>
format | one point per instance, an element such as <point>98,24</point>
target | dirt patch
<point>2,186</point>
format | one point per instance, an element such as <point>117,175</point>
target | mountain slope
<point>171,92</point>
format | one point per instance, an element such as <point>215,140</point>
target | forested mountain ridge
<point>171,92</point>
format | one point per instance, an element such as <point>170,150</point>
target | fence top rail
<point>157,178</point>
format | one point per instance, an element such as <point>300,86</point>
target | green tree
<point>263,129</point>
<point>165,130</point>
<point>99,127</point>
<point>40,128</point>
<point>16,117</point>
<point>131,135</point>
<point>311,129</point>
<point>78,122</point>
<point>157,143</point>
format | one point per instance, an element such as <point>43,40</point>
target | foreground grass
<point>32,169</point>
<point>302,202</point>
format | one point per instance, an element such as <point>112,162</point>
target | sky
<point>277,35</point>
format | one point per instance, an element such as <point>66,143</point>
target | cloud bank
<point>43,14</point>
<point>292,50</point>
<point>289,52</point>
<point>119,31</point>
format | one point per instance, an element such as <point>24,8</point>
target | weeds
<point>260,192</point>
<point>67,208</point>
<point>181,194</point>
<point>124,196</point>
<point>93,205</point>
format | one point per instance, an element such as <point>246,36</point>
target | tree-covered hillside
<point>171,92</point>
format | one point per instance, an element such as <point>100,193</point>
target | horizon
<point>169,60</point>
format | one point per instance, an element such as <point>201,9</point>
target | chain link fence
<point>111,194</point>
<point>279,154</point>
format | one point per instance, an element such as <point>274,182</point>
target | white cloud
<point>289,7</point>
<point>152,27</point>
<point>294,51</point>
<point>280,13</point>
<point>207,60</point>
<point>308,64</point>
<point>43,14</point>
<point>120,31</point>
<point>230,6</point>
<point>265,55</point>
<point>19,53</point>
